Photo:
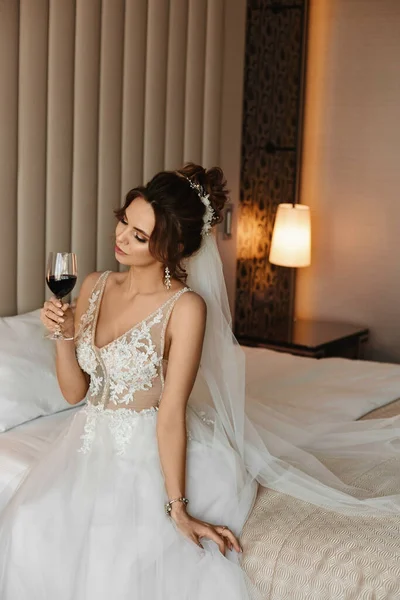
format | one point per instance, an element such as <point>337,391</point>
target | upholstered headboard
<point>96,98</point>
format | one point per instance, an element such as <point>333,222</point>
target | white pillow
<point>28,381</point>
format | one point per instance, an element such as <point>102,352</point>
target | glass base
<point>57,335</point>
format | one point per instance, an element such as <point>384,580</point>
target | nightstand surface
<point>314,338</point>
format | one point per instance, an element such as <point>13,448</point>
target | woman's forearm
<point>172,439</point>
<point>73,382</point>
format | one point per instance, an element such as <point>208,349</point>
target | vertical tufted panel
<point>134,81</point>
<point>9,43</point>
<point>86,122</point>
<point>176,79</point>
<point>110,122</point>
<point>32,148</point>
<point>212,83</point>
<point>60,116</point>
<point>156,85</point>
<point>195,62</point>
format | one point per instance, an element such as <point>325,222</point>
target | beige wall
<point>351,169</point>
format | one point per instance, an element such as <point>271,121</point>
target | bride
<point>145,490</point>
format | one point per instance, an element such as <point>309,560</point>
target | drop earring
<point>167,278</point>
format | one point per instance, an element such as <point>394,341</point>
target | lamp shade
<point>291,237</point>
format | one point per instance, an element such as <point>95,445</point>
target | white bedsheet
<point>311,390</point>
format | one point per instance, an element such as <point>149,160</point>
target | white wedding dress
<point>88,522</point>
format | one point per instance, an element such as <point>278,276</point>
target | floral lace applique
<point>203,416</point>
<point>132,362</point>
<point>84,352</point>
<point>121,423</point>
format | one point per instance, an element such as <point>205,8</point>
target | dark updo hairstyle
<point>179,211</point>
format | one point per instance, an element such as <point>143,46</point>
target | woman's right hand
<point>55,315</point>
<point>195,529</point>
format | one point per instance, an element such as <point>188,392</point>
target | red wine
<point>63,286</point>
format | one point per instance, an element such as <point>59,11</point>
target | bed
<point>292,550</point>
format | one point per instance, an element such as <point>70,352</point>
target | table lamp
<point>291,236</point>
<point>291,244</point>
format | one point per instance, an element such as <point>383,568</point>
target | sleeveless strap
<point>173,301</point>
<point>86,319</point>
<point>98,282</point>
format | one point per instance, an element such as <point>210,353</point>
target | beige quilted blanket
<point>295,551</point>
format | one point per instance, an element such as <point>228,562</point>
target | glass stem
<point>58,334</point>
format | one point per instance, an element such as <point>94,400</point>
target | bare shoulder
<point>192,301</point>
<point>92,277</point>
<point>88,283</point>
<point>190,309</point>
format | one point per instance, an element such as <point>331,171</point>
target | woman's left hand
<point>196,529</point>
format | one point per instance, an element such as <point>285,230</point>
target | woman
<point>105,513</point>
<point>164,423</point>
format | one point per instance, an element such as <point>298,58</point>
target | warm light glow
<point>291,237</point>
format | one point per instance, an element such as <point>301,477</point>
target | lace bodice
<point>129,371</point>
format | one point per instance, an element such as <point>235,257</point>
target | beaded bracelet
<point>168,506</point>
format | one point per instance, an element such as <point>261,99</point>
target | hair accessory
<point>205,198</point>
<point>167,278</point>
<point>168,506</point>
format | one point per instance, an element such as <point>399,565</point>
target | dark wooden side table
<point>316,339</point>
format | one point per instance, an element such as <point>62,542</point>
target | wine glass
<point>61,274</point>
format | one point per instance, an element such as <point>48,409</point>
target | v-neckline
<point>120,337</point>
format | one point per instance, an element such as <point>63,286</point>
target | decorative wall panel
<point>271,139</point>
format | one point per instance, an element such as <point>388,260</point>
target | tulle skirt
<point>87,521</point>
